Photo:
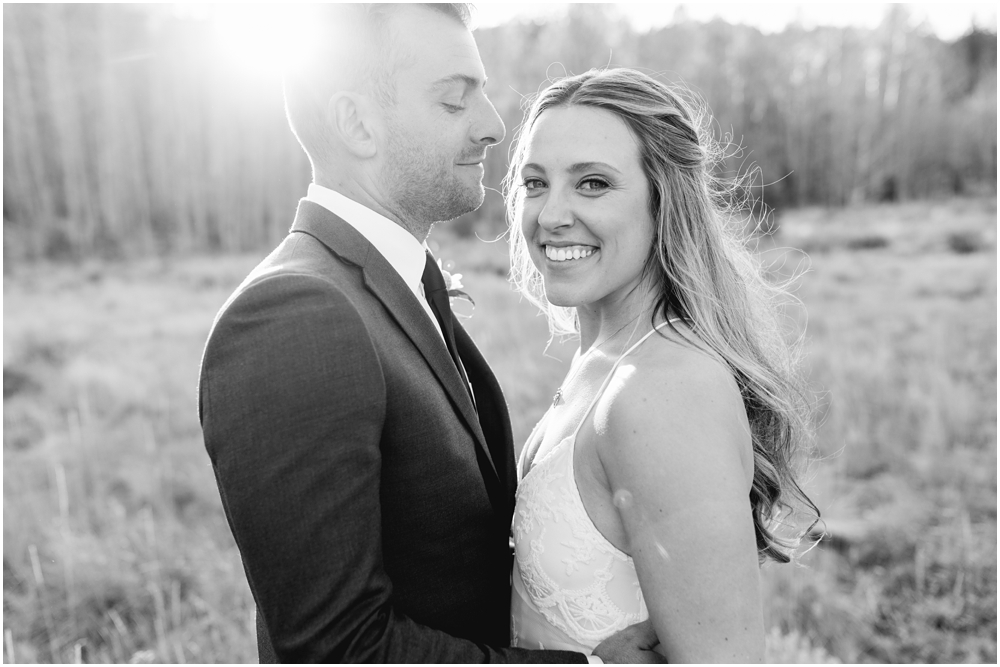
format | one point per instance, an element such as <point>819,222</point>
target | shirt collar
<point>400,248</point>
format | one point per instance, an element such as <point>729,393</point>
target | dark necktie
<point>436,293</point>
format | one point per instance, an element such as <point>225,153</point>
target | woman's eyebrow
<point>574,168</point>
<point>587,166</point>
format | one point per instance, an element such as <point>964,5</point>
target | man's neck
<point>368,194</point>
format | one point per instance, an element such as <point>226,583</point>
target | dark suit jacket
<point>370,503</point>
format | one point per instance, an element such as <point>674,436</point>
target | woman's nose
<point>555,212</point>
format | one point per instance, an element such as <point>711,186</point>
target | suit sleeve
<point>292,406</point>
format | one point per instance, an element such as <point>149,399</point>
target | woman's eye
<point>531,184</point>
<point>453,108</point>
<point>594,184</point>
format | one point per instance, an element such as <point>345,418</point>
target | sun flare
<point>263,40</point>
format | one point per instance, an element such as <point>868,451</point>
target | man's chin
<point>467,202</point>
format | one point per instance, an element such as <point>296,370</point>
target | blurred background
<point>148,167</point>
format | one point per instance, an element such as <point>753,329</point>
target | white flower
<point>452,280</point>
<point>453,283</point>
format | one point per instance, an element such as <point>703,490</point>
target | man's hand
<point>634,644</point>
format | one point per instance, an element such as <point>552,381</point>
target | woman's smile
<point>570,253</point>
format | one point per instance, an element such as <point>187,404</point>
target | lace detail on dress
<point>569,570</point>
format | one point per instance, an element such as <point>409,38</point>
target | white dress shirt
<point>399,247</point>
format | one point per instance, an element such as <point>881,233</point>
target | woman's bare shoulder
<point>673,401</point>
<point>676,373</point>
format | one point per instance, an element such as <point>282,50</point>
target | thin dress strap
<point>604,385</point>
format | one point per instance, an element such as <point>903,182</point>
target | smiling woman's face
<point>585,214</point>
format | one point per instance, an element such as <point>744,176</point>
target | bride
<point>652,487</point>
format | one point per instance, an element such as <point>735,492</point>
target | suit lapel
<point>384,282</point>
<point>493,416</point>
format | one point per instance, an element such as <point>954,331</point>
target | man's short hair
<point>355,52</point>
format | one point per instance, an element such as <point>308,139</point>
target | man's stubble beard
<point>424,188</point>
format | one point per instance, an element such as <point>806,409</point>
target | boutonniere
<point>453,283</point>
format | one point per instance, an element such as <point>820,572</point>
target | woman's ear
<point>350,116</point>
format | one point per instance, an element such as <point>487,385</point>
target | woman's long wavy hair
<point>704,274</point>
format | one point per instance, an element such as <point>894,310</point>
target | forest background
<point>125,131</point>
<point>145,175</point>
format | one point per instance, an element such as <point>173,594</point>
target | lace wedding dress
<point>572,588</point>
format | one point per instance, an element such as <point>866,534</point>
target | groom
<point>361,444</point>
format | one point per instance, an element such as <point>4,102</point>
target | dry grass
<point>116,548</point>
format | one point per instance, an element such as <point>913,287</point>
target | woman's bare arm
<point>676,450</point>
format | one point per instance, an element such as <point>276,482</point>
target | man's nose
<point>489,129</point>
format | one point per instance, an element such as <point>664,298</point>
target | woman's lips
<point>568,253</point>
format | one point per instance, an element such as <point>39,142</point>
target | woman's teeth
<point>569,252</point>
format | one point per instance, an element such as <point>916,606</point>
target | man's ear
<point>352,118</point>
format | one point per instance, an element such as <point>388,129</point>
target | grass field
<point>116,548</point>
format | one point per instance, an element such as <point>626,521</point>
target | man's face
<point>441,123</point>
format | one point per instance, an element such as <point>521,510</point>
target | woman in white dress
<point>653,486</point>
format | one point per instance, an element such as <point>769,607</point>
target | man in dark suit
<point>361,444</point>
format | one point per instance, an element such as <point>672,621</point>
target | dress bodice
<point>572,588</point>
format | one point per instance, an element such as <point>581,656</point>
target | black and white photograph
<point>500,333</point>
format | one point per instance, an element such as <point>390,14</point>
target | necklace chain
<point>579,364</point>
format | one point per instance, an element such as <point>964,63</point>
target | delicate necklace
<point>579,364</point>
